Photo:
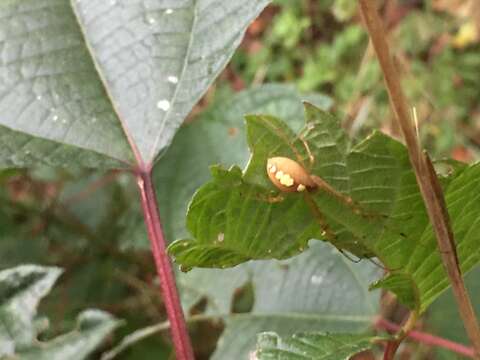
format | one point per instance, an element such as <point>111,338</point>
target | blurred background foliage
<point>88,222</point>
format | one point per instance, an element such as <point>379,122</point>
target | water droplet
<point>169,11</point>
<point>172,79</point>
<point>94,120</point>
<point>163,105</point>
<point>64,121</point>
<point>39,97</point>
<point>316,279</point>
<point>55,118</point>
<point>113,2</point>
<point>221,237</point>
<point>27,152</point>
<point>269,251</point>
<point>151,20</point>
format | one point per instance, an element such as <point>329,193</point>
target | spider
<point>290,176</point>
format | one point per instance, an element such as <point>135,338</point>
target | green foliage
<point>318,290</point>
<point>217,136</point>
<point>55,111</point>
<point>332,63</point>
<point>403,286</point>
<point>21,290</point>
<point>232,220</point>
<point>319,346</point>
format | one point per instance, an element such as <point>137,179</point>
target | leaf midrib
<point>103,80</point>
<point>180,80</point>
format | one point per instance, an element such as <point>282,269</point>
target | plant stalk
<point>427,339</point>
<point>426,177</point>
<point>171,299</point>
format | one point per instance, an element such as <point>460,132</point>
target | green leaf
<point>218,137</point>
<point>231,218</point>
<point>21,290</point>
<point>318,346</point>
<point>403,286</point>
<point>248,228</point>
<point>385,218</point>
<point>320,290</point>
<point>97,82</point>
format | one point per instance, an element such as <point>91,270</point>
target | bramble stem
<point>402,333</point>
<point>426,177</point>
<point>171,299</point>
<point>427,339</point>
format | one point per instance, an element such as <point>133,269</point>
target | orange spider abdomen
<point>288,175</point>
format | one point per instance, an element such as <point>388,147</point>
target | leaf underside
<point>107,83</point>
<point>318,346</point>
<point>21,290</point>
<point>231,220</point>
<point>320,290</point>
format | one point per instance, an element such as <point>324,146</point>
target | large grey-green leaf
<point>312,346</point>
<point>49,89</point>
<point>217,137</point>
<point>320,290</point>
<point>21,290</point>
<point>89,77</point>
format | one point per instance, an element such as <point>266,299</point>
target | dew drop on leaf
<point>172,79</point>
<point>163,105</point>
<point>316,279</point>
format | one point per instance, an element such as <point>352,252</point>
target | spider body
<point>288,175</point>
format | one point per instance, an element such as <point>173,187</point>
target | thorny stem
<point>402,333</point>
<point>171,299</point>
<point>426,177</point>
<point>427,339</point>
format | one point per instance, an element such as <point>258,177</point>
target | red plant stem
<point>390,350</point>
<point>428,339</point>
<point>171,299</point>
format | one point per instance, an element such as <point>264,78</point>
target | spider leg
<point>270,198</point>
<point>321,220</point>
<point>356,261</point>
<point>377,264</point>
<point>301,138</point>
